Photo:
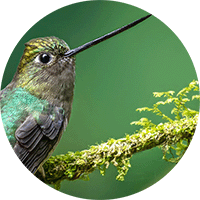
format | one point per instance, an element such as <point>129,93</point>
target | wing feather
<point>35,140</point>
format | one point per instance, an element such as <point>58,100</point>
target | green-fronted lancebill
<point>36,105</point>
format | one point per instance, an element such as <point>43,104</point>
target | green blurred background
<point>113,79</point>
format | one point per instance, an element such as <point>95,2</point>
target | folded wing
<point>37,138</point>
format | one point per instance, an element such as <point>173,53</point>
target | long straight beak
<point>105,37</point>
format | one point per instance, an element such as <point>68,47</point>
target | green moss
<point>173,137</point>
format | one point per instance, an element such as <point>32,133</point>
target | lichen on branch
<point>173,137</point>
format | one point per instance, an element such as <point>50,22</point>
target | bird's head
<point>44,70</point>
<point>43,54</point>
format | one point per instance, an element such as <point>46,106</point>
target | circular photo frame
<point>135,100</point>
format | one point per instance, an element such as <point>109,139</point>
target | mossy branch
<point>173,137</point>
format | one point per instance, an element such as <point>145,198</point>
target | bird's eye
<point>45,58</point>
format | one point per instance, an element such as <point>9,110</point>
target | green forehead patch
<point>46,44</point>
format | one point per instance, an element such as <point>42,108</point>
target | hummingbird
<point>36,105</point>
